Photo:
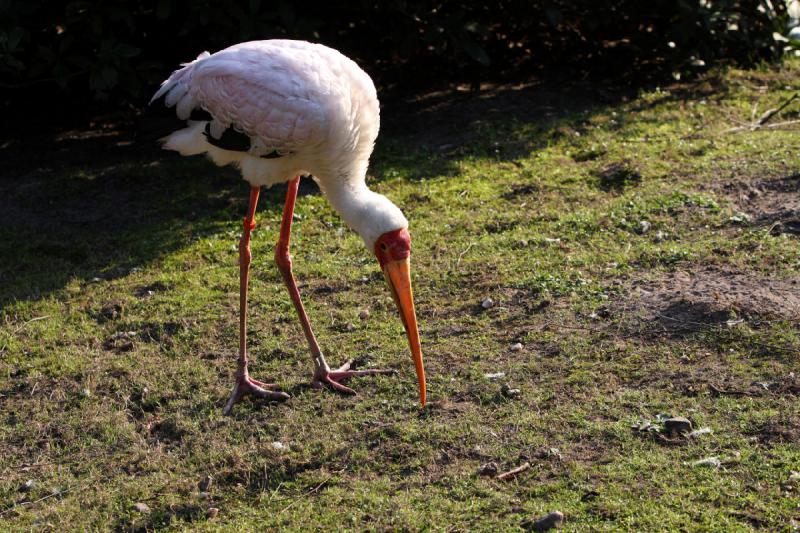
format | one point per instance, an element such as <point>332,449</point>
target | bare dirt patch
<point>773,202</point>
<point>683,302</point>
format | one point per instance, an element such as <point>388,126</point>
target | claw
<point>247,385</point>
<point>331,378</point>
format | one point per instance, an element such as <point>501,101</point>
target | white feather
<point>175,94</point>
<point>185,106</point>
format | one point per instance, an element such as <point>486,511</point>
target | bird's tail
<point>158,120</point>
<point>175,89</point>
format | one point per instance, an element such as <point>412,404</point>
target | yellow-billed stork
<point>279,109</point>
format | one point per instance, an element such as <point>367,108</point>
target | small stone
<point>508,392</point>
<point>644,226</point>
<point>547,522</point>
<point>27,486</point>
<point>278,446</point>
<point>142,507</point>
<point>661,236</point>
<point>364,314</point>
<point>517,346</point>
<point>212,513</point>
<point>205,483</point>
<point>349,327</point>
<point>495,375</point>
<point>677,425</point>
<point>488,303</point>
<point>488,469</point>
<point>86,393</point>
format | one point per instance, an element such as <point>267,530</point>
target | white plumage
<point>306,109</point>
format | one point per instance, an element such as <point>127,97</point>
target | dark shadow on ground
<point>96,202</point>
<point>97,207</point>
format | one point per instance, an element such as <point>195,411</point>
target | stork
<point>279,109</point>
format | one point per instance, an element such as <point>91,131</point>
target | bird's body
<point>306,107</point>
<point>278,109</point>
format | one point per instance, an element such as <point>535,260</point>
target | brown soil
<point>684,302</point>
<point>774,202</point>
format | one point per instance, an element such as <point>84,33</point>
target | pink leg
<point>323,375</point>
<point>244,383</point>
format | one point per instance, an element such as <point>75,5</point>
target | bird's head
<point>393,251</point>
<point>384,229</point>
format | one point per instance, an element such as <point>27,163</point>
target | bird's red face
<point>393,250</point>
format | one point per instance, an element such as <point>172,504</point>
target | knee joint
<point>282,256</point>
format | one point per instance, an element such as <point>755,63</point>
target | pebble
<point>488,469</point>
<point>547,522</point>
<point>644,226</point>
<point>495,375</point>
<point>212,512</point>
<point>142,507</point>
<point>508,392</point>
<point>27,486</point>
<point>279,446</point>
<point>677,425</point>
<point>517,346</point>
<point>364,314</point>
<point>488,303</point>
<point>661,236</point>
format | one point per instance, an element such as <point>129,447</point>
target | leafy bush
<point>124,47</point>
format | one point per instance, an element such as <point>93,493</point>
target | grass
<point>585,218</point>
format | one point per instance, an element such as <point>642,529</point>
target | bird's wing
<point>265,92</point>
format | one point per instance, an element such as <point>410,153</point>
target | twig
<point>766,117</point>
<point>781,124</point>
<point>514,471</point>
<point>772,112</point>
<point>312,491</point>
<point>462,254</point>
<point>20,328</point>
<point>28,465</point>
<point>719,392</point>
<point>22,504</point>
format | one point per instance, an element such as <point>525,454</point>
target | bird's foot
<point>246,385</point>
<point>325,377</point>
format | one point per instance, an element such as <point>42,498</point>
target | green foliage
<point>124,47</point>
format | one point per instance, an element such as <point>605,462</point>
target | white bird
<point>279,109</point>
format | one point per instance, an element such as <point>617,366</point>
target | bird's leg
<point>323,375</point>
<point>244,383</point>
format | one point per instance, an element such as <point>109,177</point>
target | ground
<point>641,255</point>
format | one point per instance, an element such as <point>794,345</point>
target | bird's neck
<point>366,212</point>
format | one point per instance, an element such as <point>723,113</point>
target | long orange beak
<point>398,276</point>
